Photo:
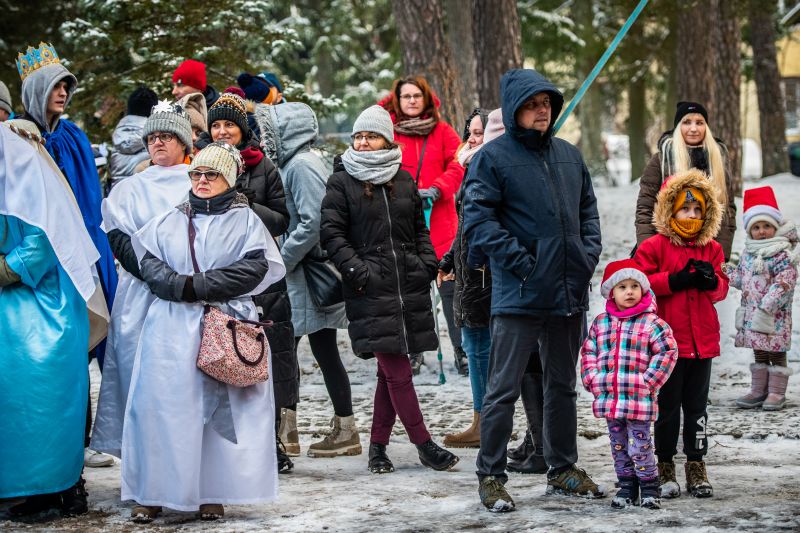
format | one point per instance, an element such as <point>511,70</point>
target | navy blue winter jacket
<point>531,208</point>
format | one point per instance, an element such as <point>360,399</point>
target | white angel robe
<point>171,456</point>
<point>130,205</point>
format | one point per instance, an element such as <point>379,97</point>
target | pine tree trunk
<point>498,46</point>
<point>458,31</point>
<point>768,83</point>
<point>695,52</point>
<point>637,126</point>
<point>420,28</point>
<point>727,120</point>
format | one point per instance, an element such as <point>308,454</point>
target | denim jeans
<point>477,343</point>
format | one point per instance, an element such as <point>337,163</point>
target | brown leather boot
<point>469,438</point>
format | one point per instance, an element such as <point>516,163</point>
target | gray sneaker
<point>494,495</point>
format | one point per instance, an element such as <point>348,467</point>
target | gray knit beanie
<point>170,118</point>
<point>377,120</point>
<point>5,98</point>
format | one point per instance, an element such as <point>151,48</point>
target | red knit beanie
<point>191,73</point>
<point>618,271</point>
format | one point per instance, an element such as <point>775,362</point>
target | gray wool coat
<point>287,131</point>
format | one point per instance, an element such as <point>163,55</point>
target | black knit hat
<point>141,101</point>
<point>230,106</point>
<point>684,108</point>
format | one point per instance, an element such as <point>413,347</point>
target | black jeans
<point>686,390</point>
<point>446,292</point>
<point>337,382</point>
<point>514,339</point>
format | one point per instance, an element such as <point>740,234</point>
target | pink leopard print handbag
<point>232,351</point>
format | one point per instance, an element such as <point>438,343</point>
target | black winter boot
<point>651,494</point>
<point>525,449</point>
<point>34,505</point>
<point>433,456</point>
<point>379,462</point>
<point>462,365</point>
<point>628,493</point>
<point>285,465</point>
<point>74,499</point>
<point>532,464</point>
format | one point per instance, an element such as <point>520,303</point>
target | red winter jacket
<point>439,169</point>
<point>690,313</point>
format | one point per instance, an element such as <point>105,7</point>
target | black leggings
<point>323,346</point>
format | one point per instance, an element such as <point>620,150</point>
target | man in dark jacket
<point>531,209</point>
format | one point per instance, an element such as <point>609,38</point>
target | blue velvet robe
<point>44,334</point>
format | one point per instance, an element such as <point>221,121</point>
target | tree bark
<point>727,120</point>
<point>695,51</point>
<point>772,124</point>
<point>420,27</point>
<point>458,31</point>
<point>498,46</point>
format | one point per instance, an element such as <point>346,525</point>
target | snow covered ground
<point>753,463</point>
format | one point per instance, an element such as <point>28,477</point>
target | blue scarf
<point>72,152</point>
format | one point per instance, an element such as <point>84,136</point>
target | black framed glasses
<point>210,175</point>
<point>164,137</point>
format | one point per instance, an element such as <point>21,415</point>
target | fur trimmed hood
<point>662,213</point>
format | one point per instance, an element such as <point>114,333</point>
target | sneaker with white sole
<point>95,459</point>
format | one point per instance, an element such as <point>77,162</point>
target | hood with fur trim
<point>662,213</point>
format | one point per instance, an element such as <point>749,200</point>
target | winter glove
<point>188,295</point>
<point>683,279</point>
<point>762,322</point>
<point>431,193</point>
<point>7,274</point>
<point>248,192</point>
<point>705,277</point>
<point>357,276</point>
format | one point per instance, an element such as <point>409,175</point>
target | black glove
<point>188,295</point>
<point>682,280</point>
<point>248,192</point>
<point>705,277</point>
<point>431,193</point>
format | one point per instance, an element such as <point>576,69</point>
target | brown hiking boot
<point>211,511</point>
<point>697,480</point>
<point>469,438</point>
<point>288,432</point>
<point>144,514</point>
<point>342,440</point>
<point>573,481</point>
<point>669,483</point>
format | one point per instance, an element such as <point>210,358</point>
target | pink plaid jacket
<point>625,360</point>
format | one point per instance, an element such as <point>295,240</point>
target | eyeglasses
<point>163,137</point>
<point>370,138</point>
<point>532,105</point>
<point>210,175</point>
<point>407,97</point>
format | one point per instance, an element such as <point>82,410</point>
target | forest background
<point>341,55</point>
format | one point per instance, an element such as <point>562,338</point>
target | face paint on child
<point>627,293</point>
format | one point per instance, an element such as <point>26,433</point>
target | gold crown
<point>36,58</point>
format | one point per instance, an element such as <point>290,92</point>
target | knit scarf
<point>376,167</point>
<point>641,307</point>
<point>785,239</point>
<point>252,156</point>
<point>687,229</point>
<point>415,127</point>
<point>465,154</point>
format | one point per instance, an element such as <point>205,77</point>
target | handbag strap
<point>419,164</point>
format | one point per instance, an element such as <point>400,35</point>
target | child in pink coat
<point>626,358</point>
<point>766,275</point>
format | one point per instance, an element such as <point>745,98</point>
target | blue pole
<point>600,64</point>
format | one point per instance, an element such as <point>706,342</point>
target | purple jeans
<point>632,449</point>
<point>395,396</point>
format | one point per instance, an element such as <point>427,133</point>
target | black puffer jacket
<point>472,299</point>
<point>383,249</point>
<point>273,304</point>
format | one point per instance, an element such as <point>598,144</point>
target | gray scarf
<point>376,167</point>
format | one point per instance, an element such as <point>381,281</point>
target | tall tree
<point>498,46</point>
<point>772,121</point>
<point>696,29</point>
<point>458,30</point>
<point>590,109</point>
<point>727,117</point>
<point>420,28</point>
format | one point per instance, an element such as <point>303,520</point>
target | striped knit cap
<point>231,107</point>
<point>221,157</point>
<point>169,118</point>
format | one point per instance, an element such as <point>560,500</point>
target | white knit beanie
<point>221,157</point>
<point>376,120</point>
<point>169,118</point>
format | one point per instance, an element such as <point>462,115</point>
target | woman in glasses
<point>429,148</point>
<point>373,229</point>
<point>131,204</point>
<point>192,442</point>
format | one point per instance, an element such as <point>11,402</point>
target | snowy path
<point>754,461</point>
